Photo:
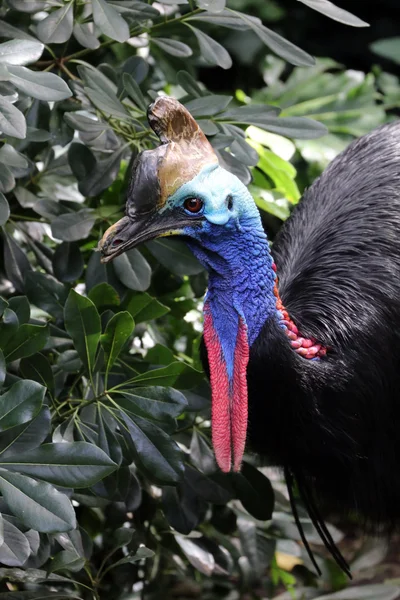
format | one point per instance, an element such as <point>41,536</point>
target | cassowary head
<point>180,189</point>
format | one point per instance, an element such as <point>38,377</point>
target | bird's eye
<point>117,242</point>
<point>193,205</point>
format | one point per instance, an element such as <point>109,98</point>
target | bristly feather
<point>336,421</point>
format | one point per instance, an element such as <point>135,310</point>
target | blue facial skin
<point>232,246</point>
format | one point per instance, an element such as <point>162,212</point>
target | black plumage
<point>334,423</point>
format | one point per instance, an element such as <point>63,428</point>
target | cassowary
<point>301,343</point>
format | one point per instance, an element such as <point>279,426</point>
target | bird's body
<point>336,421</point>
<point>328,412</point>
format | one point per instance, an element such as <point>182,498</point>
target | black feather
<point>334,423</point>
<point>338,260</point>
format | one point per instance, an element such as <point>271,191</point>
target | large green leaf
<point>82,321</point>
<point>12,121</point>
<point>73,465</point>
<point>20,52</point>
<point>36,503</point>
<point>117,332</point>
<point>255,492</point>
<point>211,50</point>
<point>143,307</point>
<point>38,368</point>
<point>157,402</point>
<point>109,21</point>
<point>158,455</point>
<point>57,27</point>
<point>175,256</point>
<point>133,270</point>
<point>15,550</point>
<point>28,340</point>
<point>47,293</point>
<point>173,47</point>
<point>334,12</point>
<point>43,86</point>
<point>15,262</point>
<point>68,262</point>
<point>21,403</point>
<point>72,227</point>
<point>26,436</point>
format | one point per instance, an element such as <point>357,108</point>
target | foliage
<point>108,483</point>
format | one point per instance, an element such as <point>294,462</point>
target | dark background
<point>311,31</point>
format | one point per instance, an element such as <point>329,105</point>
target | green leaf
<point>388,48</point>
<point>213,488</point>
<point>278,44</point>
<point>158,455</point>
<point>103,175</point>
<point>85,35</point>
<point>4,209</point>
<point>293,127</point>
<point>197,555</point>
<point>15,549</point>
<point>12,121</point>
<point>9,156</point>
<point>175,256</point>
<point>7,179</point>
<point>82,160</point>
<point>334,12</point>
<point>15,262</point>
<point>208,105</point>
<point>66,560</point>
<point>57,27</point>
<point>82,322</point>
<point>20,305</point>
<point>71,465</point>
<point>157,402</point>
<point>143,307</point>
<point>16,33</point>
<point>8,326</point>
<point>133,90</point>
<point>20,52</point>
<point>255,492</point>
<point>133,270</point>
<point>109,21</point>
<point>68,263</point>
<point>37,368</point>
<point>20,404</point>
<point>253,113</point>
<point>213,6</point>
<point>47,293</point>
<point>28,340</point>
<point>118,331</point>
<point>212,51</point>
<point>43,86</point>
<point>37,504</point>
<point>103,296</point>
<point>26,436</point>
<point>173,47</point>
<point>72,227</point>
<point>165,376</point>
<point>189,84</point>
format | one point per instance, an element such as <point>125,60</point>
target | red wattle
<point>220,409</point>
<point>229,402</point>
<point>239,404</point>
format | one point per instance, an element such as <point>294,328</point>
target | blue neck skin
<point>233,247</point>
<point>241,281</point>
